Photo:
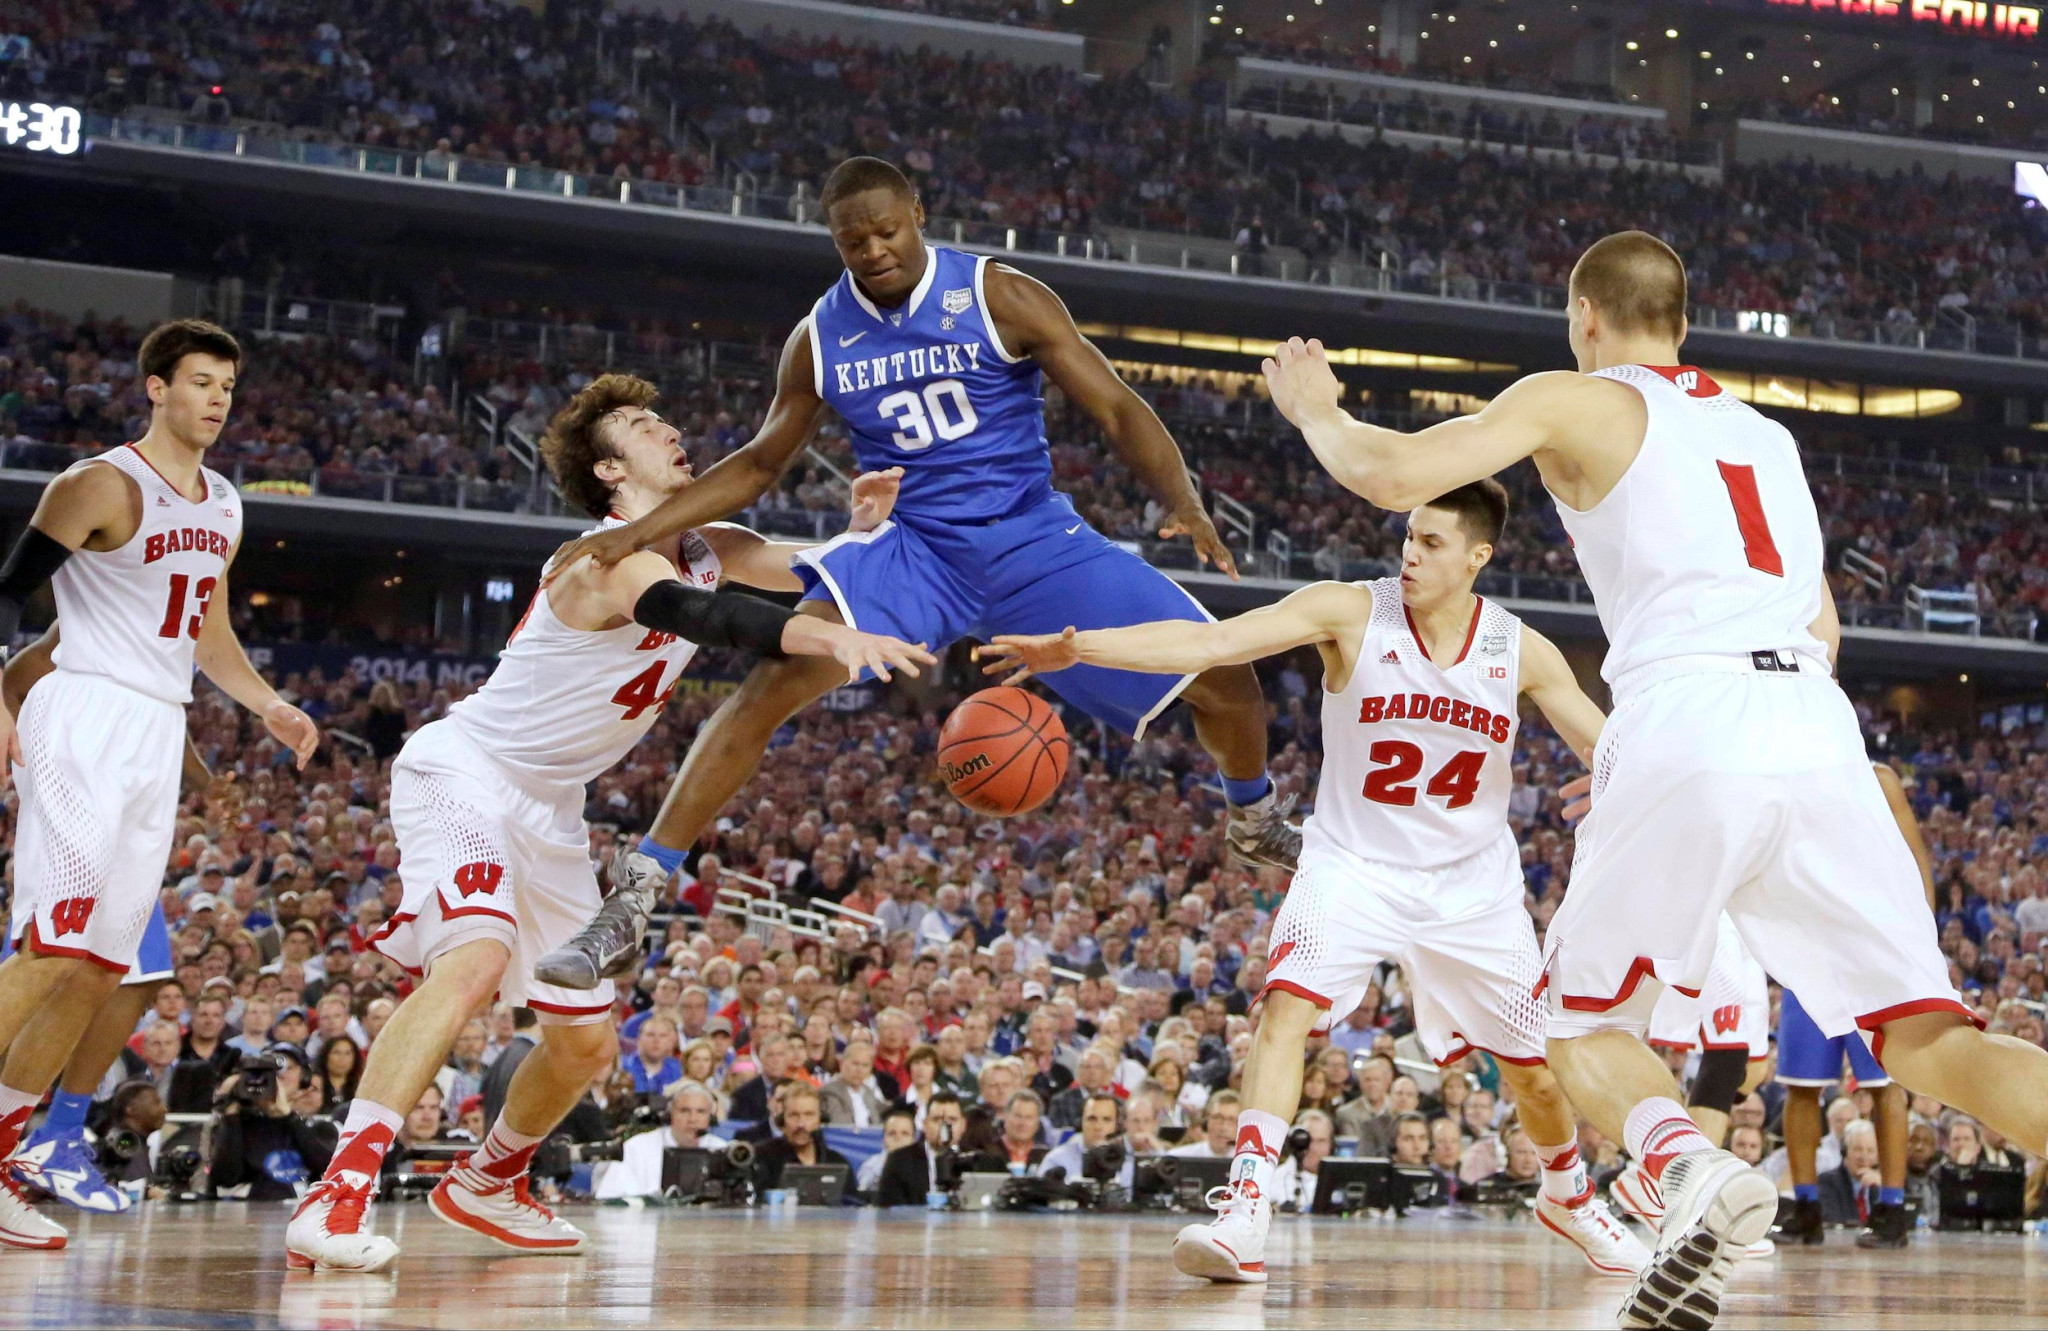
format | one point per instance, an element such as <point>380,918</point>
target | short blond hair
<point>1636,281</point>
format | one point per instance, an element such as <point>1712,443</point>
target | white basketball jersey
<point>565,704</point>
<point>133,614</point>
<point>1710,542</point>
<point>1418,758</point>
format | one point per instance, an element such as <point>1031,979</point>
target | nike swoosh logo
<point>849,341</point>
<point>1071,530</point>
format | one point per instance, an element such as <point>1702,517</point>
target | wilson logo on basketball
<point>1726,1019</point>
<point>482,876</point>
<point>957,771</point>
<point>72,915</point>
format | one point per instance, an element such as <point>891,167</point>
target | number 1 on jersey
<point>1757,545</point>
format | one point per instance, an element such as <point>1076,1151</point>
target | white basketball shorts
<point>1460,934</point>
<point>1732,1011</point>
<point>99,806</point>
<point>1718,786</point>
<point>484,857</point>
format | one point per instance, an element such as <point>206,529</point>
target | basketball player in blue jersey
<point>932,358</point>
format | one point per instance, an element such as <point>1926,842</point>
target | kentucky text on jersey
<point>916,363</point>
<point>928,386</point>
<point>1456,713</point>
<point>178,540</point>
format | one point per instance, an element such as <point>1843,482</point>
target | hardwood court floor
<point>221,1265</point>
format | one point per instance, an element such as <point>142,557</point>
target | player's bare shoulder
<point>98,506</point>
<point>1593,427</point>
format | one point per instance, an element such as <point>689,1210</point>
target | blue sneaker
<point>65,1167</point>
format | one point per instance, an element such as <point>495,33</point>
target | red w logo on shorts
<point>483,876</point>
<point>1727,1018</point>
<point>1279,954</point>
<point>71,916</point>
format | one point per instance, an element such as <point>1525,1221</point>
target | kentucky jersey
<point>930,387</point>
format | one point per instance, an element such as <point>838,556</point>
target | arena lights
<point>1974,17</point>
<point>39,127</point>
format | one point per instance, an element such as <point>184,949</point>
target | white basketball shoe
<point>331,1229</point>
<point>1230,1249</point>
<point>1715,1207</point>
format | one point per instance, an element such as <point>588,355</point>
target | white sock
<point>1260,1137</point>
<point>1564,1174</point>
<point>1658,1131</point>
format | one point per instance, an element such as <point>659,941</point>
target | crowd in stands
<point>346,416</point>
<point>1044,151</point>
<point>1102,948</point>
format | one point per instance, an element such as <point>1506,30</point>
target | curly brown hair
<point>575,442</point>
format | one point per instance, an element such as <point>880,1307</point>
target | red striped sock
<point>15,1108</point>
<point>1564,1174</point>
<point>505,1154</point>
<point>1658,1131</point>
<point>365,1138</point>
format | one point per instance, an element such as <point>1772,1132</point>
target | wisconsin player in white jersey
<point>488,807</point>
<point>1408,857</point>
<point>137,542</point>
<point>1731,774</point>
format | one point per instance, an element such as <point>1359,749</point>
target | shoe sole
<point>1682,1289</point>
<point>454,1215</point>
<point>34,1243</point>
<point>1206,1259</point>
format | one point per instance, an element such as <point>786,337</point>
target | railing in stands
<point>1159,251</point>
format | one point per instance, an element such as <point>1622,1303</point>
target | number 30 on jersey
<point>941,411</point>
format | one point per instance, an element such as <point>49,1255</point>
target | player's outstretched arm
<point>1548,680</point>
<point>730,486</point>
<point>1034,322</point>
<point>643,588</point>
<point>1909,825</point>
<point>1402,471</point>
<point>1323,613</point>
<point>746,556</point>
<point>220,657</point>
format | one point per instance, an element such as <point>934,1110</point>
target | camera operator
<point>910,1172</point>
<point>899,1129</point>
<point>1102,1120</point>
<point>637,1173</point>
<point>799,1139</point>
<point>260,1146</point>
<point>128,1144</point>
<point>1295,1180</point>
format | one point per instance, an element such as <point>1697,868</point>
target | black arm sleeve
<point>36,557</point>
<point>713,619</point>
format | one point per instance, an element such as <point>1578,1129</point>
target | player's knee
<point>1225,688</point>
<point>1535,1086</point>
<point>470,974</point>
<point>1285,1019</point>
<point>584,1048</point>
<point>1914,1046</point>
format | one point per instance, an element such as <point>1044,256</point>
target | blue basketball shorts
<point>1037,572</point>
<point>1808,1058</point>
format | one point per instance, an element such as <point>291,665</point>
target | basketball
<point>1003,752</point>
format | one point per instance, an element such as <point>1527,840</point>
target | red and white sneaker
<point>1638,1195</point>
<point>21,1225</point>
<point>1610,1249</point>
<point>503,1211</point>
<point>1231,1249</point>
<point>331,1229</point>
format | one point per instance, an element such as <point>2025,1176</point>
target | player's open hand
<point>292,728</point>
<point>1299,376</point>
<point>855,650</point>
<point>1196,524</point>
<point>606,547</point>
<point>873,498</point>
<point>1025,655</point>
<point>1578,798</point>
